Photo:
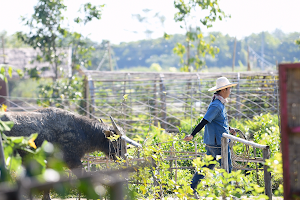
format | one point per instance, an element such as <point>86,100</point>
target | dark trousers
<point>212,150</point>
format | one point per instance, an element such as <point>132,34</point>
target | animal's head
<point>117,141</point>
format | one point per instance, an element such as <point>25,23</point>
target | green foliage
<point>297,42</point>
<point>11,41</point>
<point>13,161</point>
<point>45,25</point>
<point>6,71</point>
<point>61,93</point>
<point>262,129</point>
<point>139,55</point>
<point>278,47</point>
<point>276,168</point>
<point>194,36</point>
<point>185,8</point>
<point>90,12</point>
<point>153,180</point>
<point>156,178</point>
<point>25,88</point>
<point>234,184</point>
<point>46,33</point>
<point>155,67</point>
<point>180,50</point>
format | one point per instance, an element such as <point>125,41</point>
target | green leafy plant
<point>61,93</point>
<point>6,70</point>
<point>194,37</point>
<point>47,34</point>
<point>158,180</point>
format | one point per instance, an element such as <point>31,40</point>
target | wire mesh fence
<point>169,100</point>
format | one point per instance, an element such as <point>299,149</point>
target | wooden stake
<point>224,154</point>
<point>86,93</point>
<point>233,56</point>
<point>109,57</point>
<point>2,159</point>
<point>267,174</point>
<point>3,51</point>
<point>248,60</point>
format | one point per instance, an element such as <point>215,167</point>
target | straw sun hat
<point>221,84</point>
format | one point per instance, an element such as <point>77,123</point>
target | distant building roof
<point>21,58</point>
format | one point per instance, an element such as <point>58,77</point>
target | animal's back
<point>49,123</point>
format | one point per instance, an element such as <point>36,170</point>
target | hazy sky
<point>118,25</point>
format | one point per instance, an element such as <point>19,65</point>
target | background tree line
<point>278,46</point>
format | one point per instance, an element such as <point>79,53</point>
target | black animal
<point>74,134</point>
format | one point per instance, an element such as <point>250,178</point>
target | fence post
<point>138,162</point>
<point>176,167</point>
<point>256,167</point>
<point>130,97</point>
<point>224,154</point>
<point>86,96</point>
<point>123,105</point>
<point>2,161</point>
<point>199,92</point>
<point>267,175</point>
<point>171,161</point>
<point>176,170</point>
<point>191,105</point>
<point>196,149</point>
<point>163,102</point>
<point>123,148</point>
<point>116,191</point>
<point>92,95</point>
<point>155,104</point>
<point>238,115</point>
<point>88,163</point>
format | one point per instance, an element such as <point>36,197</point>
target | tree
<point>186,15</point>
<point>46,31</point>
<point>47,35</point>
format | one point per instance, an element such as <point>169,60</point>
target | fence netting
<point>174,99</point>
<point>170,100</point>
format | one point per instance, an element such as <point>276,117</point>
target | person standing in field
<point>216,123</point>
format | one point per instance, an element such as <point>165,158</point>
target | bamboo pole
<point>233,56</point>
<point>267,174</point>
<point>171,161</point>
<point>248,59</point>
<point>224,154</point>
<point>256,167</point>
<point>245,141</point>
<point>3,50</point>
<point>155,104</point>
<point>109,56</point>
<point>2,161</point>
<point>86,96</point>
<point>176,170</point>
<point>88,164</point>
<point>163,102</point>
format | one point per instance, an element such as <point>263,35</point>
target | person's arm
<point>196,130</point>
<point>211,113</point>
<point>199,127</point>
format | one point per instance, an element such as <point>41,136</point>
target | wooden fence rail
<point>115,180</point>
<point>266,155</point>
